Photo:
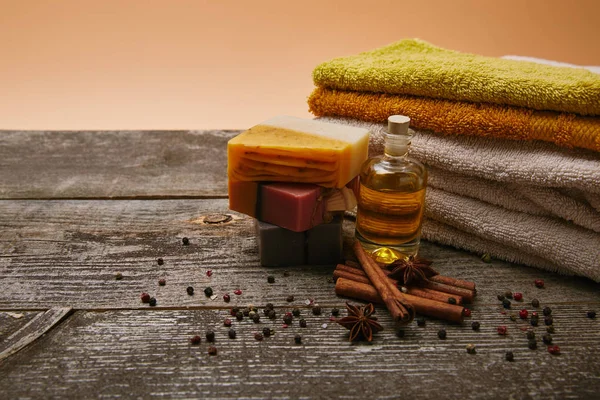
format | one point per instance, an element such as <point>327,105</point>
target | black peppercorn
<point>508,294</point>
<point>535,303</point>
<point>208,291</point>
<point>506,303</point>
<point>548,321</point>
<point>289,299</point>
<point>298,339</point>
<point>534,320</point>
<point>239,315</point>
<point>269,306</point>
<point>296,312</point>
<point>501,297</point>
<point>210,336</point>
<point>451,300</point>
<point>271,279</point>
<point>547,339</point>
<point>287,319</point>
<point>256,318</point>
<point>190,290</point>
<point>509,356</point>
<point>530,335</point>
<point>212,350</point>
<point>185,241</point>
<point>152,301</point>
<point>234,311</point>
<point>246,311</point>
<point>547,311</point>
<point>335,312</point>
<point>118,276</point>
<point>442,334</point>
<point>475,325</point>
<point>272,314</point>
<point>162,282</point>
<point>316,310</point>
<point>258,336</point>
<point>420,321</point>
<point>302,323</point>
<point>266,332</point>
<point>532,344</point>
<point>550,329</point>
<point>160,261</point>
<point>591,314</point>
<point>231,333</point>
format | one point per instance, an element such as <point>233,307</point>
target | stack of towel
<point>512,146</point>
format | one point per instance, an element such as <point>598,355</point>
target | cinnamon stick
<point>466,294</point>
<point>395,301</point>
<point>435,309</point>
<point>357,275</point>
<point>454,282</point>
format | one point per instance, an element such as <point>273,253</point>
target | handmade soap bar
<point>279,247</point>
<point>294,206</point>
<point>289,149</point>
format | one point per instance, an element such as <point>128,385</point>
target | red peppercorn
<point>195,340</point>
<point>539,283</point>
<point>226,298</point>
<point>227,322</point>
<point>466,312</point>
<point>501,330</point>
<point>554,349</point>
<point>145,298</point>
<point>212,350</point>
<point>523,314</point>
<point>518,296</point>
<point>209,273</point>
<point>162,282</point>
<point>237,292</point>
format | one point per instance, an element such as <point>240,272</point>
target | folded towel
<point>524,163</point>
<point>571,248</point>
<point>593,68</point>
<point>418,68</point>
<point>460,117</point>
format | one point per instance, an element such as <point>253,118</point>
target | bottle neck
<point>396,145</point>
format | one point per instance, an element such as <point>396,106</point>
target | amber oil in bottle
<point>391,198</point>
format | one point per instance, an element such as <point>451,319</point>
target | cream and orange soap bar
<point>290,149</point>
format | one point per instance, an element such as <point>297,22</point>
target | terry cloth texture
<point>521,202</point>
<point>460,117</point>
<point>415,67</point>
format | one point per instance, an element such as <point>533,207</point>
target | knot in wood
<point>217,218</point>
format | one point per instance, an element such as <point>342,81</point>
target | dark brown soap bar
<point>280,247</point>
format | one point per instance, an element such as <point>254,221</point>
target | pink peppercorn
<point>237,291</point>
<point>227,322</point>
<point>145,298</point>
<point>226,298</point>
<point>523,314</point>
<point>539,283</point>
<point>466,312</point>
<point>554,349</point>
<point>518,296</point>
<point>209,273</point>
<point>501,330</point>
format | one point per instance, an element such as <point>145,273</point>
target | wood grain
<point>148,354</point>
<point>109,164</point>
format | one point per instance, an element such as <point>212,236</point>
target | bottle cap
<point>398,124</point>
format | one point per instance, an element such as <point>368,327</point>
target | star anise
<point>360,322</point>
<point>412,270</point>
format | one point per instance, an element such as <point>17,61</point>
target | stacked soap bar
<point>288,149</point>
<point>291,175</point>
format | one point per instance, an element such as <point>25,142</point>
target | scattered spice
<point>152,302</point>
<point>518,296</point>
<point>508,294</point>
<point>591,314</point>
<point>208,291</point>
<point>289,299</point>
<point>547,311</point>
<point>532,344</point>
<point>118,276</point>
<point>548,321</point>
<point>420,321</point>
<point>256,318</point>
<point>209,273</point>
<point>145,297</point>
<point>162,282</point>
<point>227,322</point>
<point>550,329</point>
<point>486,258</point>
<point>160,261</point>
<point>212,350</point>
<point>506,303</point>
<point>185,241</point>
<point>501,297</point>
<point>335,312</point>
<point>466,312</point>
<point>251,314</point>
<point>412,270</point>
<point>547,339</point>
<point>190,290</point>
<point>296,312</point>
<point>271,279</point>
<point>534,319</point>
<point>554,350</point>
<point>475,325</point>
<point>210,336</point>
<point>226,298</point>
<point>237,292</point>
<point>471,349</point>
<point>269,306</point>
<point>535,303</point>
<point>502,330</point>
<point>298,339</point>
<point>234,311</point>
<point>523,314</point>
<point>258,336</point>
<point>287,319</point>
<point>231,333</point>
<point>509,356</point>
<point>302,323</point>
<point>442,333</point>
<point>195,340</point>
<point>239,315</point>
<point>266,332</point>
<point>512,317</point>
<point>316,310</point>
<point>272,314</point>
<point>530,334</point>
<point>360,322</point>
<point>539,283</point>
<point>451,300</point>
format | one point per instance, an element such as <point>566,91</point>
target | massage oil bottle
<point>391,198</point>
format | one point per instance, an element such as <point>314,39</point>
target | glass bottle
<point>391,198</point>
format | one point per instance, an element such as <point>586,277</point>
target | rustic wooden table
<point>79,207</point>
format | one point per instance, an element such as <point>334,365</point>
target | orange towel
<point>459,117</point>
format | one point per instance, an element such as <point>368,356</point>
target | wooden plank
<point>35,328</point>
<point>66,254</point>
<point>113,164</point>
<point>12,321</point>
<point>146,354</point>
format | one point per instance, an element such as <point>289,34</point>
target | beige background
<point>140,64</point>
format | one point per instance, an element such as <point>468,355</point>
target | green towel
<point>416,67</point>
